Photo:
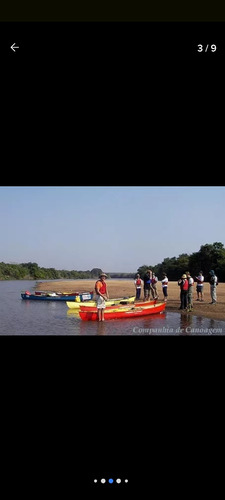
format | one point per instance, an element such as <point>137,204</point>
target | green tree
<point>95,272</point>
<point>142,270</point>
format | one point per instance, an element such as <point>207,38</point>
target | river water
<point>21,317</point>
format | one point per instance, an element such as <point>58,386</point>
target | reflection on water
<point>21,317</point>
<point>186,324</point>
<point>158,324</point>
<point>198,325</point>
<point>73,313</point>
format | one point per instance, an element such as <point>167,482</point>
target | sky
<point>116,229</point>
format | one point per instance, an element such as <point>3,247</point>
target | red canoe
<point>85,308</point>
<point>88,314</point>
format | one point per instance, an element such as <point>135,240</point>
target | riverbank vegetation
<point>31,271</point>
<point>210,256</point>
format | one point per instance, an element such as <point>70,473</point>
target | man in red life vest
<point>183,284</point>
<point>102,295</point>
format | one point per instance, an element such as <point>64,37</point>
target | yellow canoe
<point>92,303</point>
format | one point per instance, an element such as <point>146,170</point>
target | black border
<point>114,408</point>
<point>125,95</point>
<point>116,10</point>
<point>155,43</point>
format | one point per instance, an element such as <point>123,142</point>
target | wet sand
<point>125,288</point>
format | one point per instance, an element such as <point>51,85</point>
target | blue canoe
<point>57,297</point>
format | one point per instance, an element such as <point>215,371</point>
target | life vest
<point>101,289</point>
<point>184,285</point>
<point>138,282</point>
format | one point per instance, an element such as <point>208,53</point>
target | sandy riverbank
<point>125,288</point>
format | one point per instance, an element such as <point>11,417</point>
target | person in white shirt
<point>199,287</point>
<point>165,286</point>
<point>190,292</point>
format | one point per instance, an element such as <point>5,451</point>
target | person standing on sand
<point>190,292</point>
<point>165,286</point>
<point>102,295</point>
<point>154,286</point>
<point>138,285</point>
<point>199,287</point>
<point>213,282</point>
<point>147,284</point>
<point>183,284</point>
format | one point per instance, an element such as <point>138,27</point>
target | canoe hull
<point>89,315</point>
<point>117,307</point>
<point>56,298</point>
<point>92,303</point>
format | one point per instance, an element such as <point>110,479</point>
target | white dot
<point>95,480</point>
<point>126,480</point>
<point>103,480</point>
<point>118,480</point>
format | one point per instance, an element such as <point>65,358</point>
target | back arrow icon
<point>14,46</point>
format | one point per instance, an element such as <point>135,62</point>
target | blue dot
<point>110,480</point>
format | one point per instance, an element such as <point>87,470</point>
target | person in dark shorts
<point>147,284</point>
<point>199,287</point>
<point>165,286</point>
<point>183,284</point>
<point>138,285</point>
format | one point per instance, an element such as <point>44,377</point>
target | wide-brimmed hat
<point>103,274</point>
<point>183,276</point>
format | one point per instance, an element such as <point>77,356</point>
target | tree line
<point>210,256</point>
<point>31,271</point>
